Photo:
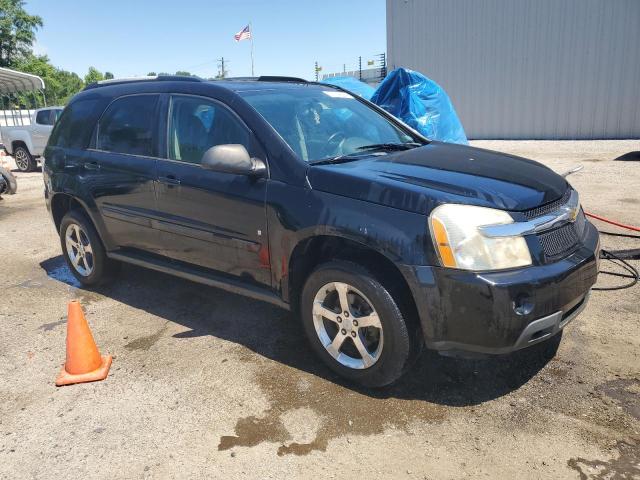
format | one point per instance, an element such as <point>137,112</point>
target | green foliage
<point>60,85</point>
<point>183,73</point>
<point>108,75</point>
<point>151,74</point>
<point>93,75</point>
<point>17,31</point>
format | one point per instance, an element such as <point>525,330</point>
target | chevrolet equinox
<point>309,197</point>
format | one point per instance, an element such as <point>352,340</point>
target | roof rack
<point>266,78</point>
<point>275,78</point>
<point>162,78</point>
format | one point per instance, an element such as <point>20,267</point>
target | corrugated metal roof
<point>12,81</point>
<point>527,69</point>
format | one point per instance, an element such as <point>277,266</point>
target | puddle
<point>324,411</point>
<point>145,343</point>
<point>57,269</point>
<point>64,275</point>
<point>298,386</point>
<point>626,466</point>
<point>626,391</point>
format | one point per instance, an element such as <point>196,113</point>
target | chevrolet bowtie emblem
<point>573,214</point>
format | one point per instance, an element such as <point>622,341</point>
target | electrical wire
<point>617,224</point>
<point>614,234</point>
<point>632,272</point>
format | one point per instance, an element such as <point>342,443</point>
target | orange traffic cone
<point>84,363</point>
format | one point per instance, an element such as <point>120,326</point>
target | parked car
<point>308,197</point>
<point>27,142</point>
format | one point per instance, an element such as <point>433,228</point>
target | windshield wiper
<point>338,159</point>
<point>390,147</point>
<point>385,147</point>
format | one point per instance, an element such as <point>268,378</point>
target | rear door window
<point>129,126</point>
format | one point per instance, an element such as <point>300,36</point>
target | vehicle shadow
<point>629,156</point>
<point>275,334</point>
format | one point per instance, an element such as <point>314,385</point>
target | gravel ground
<point>206,384</point>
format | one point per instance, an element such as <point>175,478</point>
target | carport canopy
<point>12,81</point>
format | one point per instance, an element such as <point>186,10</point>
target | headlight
<point>460,244</point>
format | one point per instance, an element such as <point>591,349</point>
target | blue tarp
<point>353,85</point>
<point>420,103</point>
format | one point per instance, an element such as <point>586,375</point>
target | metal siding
<point>543,69</point>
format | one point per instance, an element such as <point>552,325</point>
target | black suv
<point>314,199</point>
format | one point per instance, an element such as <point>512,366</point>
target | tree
<point>60,85</point>
<point>17,31</point>
<point>151,74</point>
<point>108,75</point>
<point>93,75</point>
<point>69,83</point>
<point>183,73</point>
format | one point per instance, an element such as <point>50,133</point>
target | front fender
<point>295,214</point>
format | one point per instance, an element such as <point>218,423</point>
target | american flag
<point>244,34</point>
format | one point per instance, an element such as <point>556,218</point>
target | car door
<point>119,171</point>
<point>41,130</point>
<point>211,219</point>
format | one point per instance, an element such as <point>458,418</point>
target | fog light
<point>522,305</point>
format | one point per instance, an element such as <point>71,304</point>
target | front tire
<point>354,324</point>
<point>24,160</point>
<point>83,250</point>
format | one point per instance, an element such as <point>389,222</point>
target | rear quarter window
<point>76,124</point>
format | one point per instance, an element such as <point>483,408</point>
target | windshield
<point>320,123</point>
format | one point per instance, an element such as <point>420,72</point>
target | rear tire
<point>83,250</point>
<point>24,160</point>
<point>368,342</point>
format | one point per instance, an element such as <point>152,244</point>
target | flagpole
<point>251,38</point>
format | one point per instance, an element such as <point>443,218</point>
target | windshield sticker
<point>335,94</point>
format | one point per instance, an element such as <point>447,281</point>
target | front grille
<point>549,207</point>
<point>559,241</point>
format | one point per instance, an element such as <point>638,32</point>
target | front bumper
<point>499,312</point>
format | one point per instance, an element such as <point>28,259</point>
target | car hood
<point>422,178</point>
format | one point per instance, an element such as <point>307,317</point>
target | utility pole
<point>222,72</point>
<point>383,65</point>
<point>360,68</point>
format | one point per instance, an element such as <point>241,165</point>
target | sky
<point>135,37</point>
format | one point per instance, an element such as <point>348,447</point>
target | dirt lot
<point>206,384</point>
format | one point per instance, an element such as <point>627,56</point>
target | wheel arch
<point>315,250</point>
<point>61,203</point>
<point>21,143</point>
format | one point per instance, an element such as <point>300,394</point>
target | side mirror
<point>232,158</point>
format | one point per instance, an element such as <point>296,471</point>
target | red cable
<point>629,227</point>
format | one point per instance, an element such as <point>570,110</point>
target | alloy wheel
<point>22,160</point>
<point>79,249</point>
<point>348,325</point>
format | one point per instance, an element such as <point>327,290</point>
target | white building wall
<point>545,69</point>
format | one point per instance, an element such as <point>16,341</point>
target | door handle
<point>91,166</point>
<point>169,180</point>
